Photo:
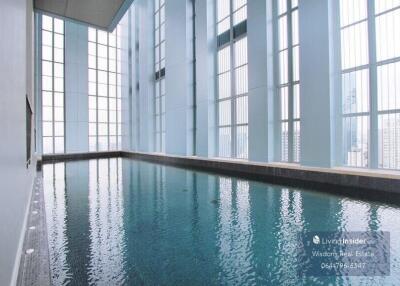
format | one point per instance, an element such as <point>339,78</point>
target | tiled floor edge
<point>35,261</point>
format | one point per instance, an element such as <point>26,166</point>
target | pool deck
<point>367,184</point>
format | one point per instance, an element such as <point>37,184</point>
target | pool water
<point>125,222</point>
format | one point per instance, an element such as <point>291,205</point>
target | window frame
<point>287,148</point>
<point>231,45</point>
<point>159,76</point>
<point>375,148</point>
<point>52,90</point>
<point>117,89</point>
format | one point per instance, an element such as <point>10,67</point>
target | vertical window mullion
<point>52,90</point>
<point>97,92</point>
<point>108,91</point>
<point>233,81</point>
<point>373,106</point>
<point>290,80</point>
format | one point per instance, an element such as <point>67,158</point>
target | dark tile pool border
<point>356,184</point>
<point>360,184</point>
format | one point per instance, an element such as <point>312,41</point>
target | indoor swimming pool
<point>126,222</point>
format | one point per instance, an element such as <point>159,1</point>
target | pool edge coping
<point>363,184</point>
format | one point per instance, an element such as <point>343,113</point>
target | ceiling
<point>103,14</point>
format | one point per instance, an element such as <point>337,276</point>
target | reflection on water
<point>123,222</point>
<point>107,246</point>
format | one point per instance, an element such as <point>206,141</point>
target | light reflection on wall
<point>107,244</point>
<point>55,198</point>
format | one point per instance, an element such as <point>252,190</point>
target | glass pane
<point>296,64</point>
<point>283,67</point>
<point>283,36</point>
<point>58,113</point>
<point>47,145</point>
<point>295,27</point>
<point>240,52</point>
<point>355,91</point>
<point>296,101</point>
<point>47,129</point>
<point>59,84</point>
<point>241,142</point>
<point>58,26</point>
<point>240,15</point>
<point>47,53</point>
<point>284,141</point>
<point>224,140</point>
<point>47,68</point>
<point>387,35</point>
<point>354,41</point>
<point>92,115</point>
<point>241,110</point>
<point>389,140</point>
<point>296,141</point>
<point>58,144</point>
<point>355,141</point>
<point>384,5</point>
<point>47,83</point>
<point>225,112</point>
<point>241,80</point>
<point>92,144</point>
<point>47,23</point>
<point>58,70</point>
<point>102,37</point>
<point>59,99</point>
<point>92,129</point>
<point>352,11</point>
<point>47,98</point>
<point>284,99</point>
<point>59,55</point>
<point>282,6</point>
<point>59,41</point>
<point>59,128</point>
<point>224,85</point>
<point>224,61</point>
<point>388,85</point>
<point>47,38</point>
<point>223,9</point>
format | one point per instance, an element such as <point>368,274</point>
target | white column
<point>205,78</point>
<point>177,72</point>
<point>315,93</point>
<point>145,13</point>
<point>76,88</point>
<point>258,80</point>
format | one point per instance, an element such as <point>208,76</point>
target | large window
<point>159,68</point>
<point>232,79</point>
<point>104,51</point>
<point>289,79</point>
<point>370,53</point>
<point>52,66</point>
